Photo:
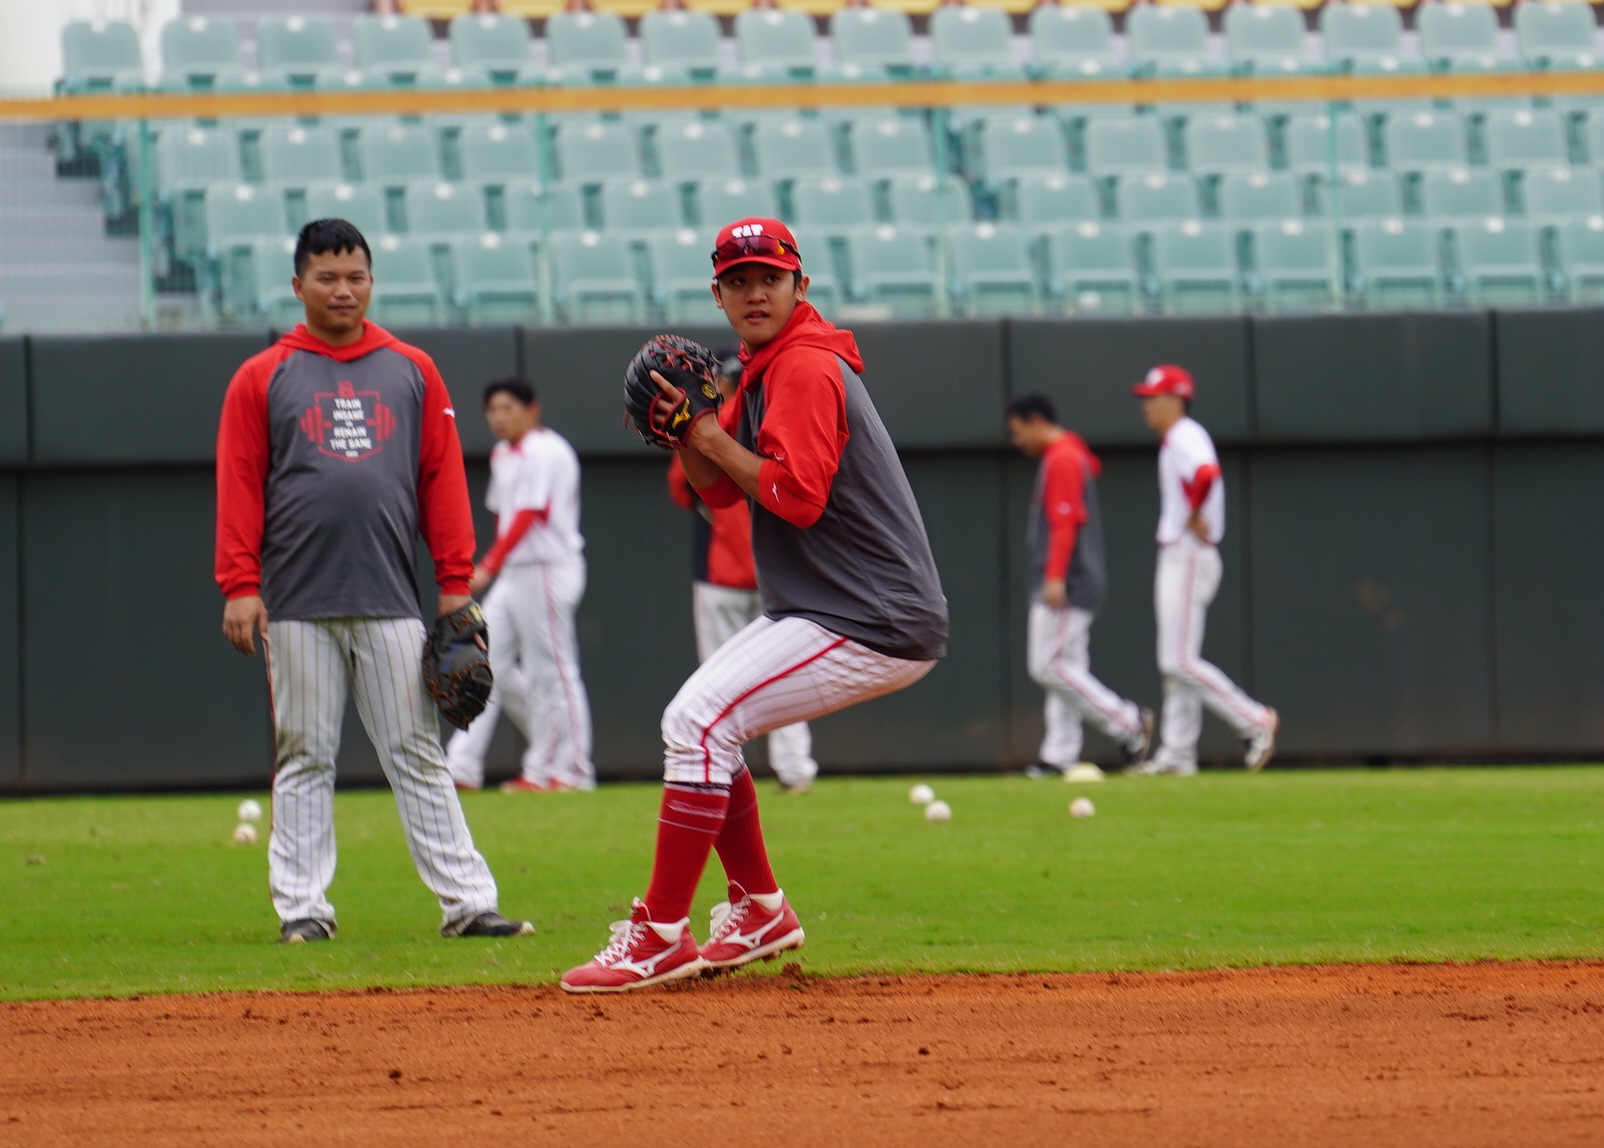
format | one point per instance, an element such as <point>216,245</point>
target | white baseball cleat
<point>641,953</point>
<point>750,927</point>
<point>1158,767</point>
<point>1261,746</point>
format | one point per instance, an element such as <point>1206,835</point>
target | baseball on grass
<point>250,810</point>
<point>244,833</point>
<point>938,811</point>
<point>1082,807</point>
<point>921,794</point>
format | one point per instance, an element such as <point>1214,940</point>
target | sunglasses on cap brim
<point>753,247</point>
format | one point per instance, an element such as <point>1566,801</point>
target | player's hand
<point>476,585</point>
<point>1197,526</point>
<point>452,602</point>
<point>243,619</point>
<point>1053,593</point>
<point>671,398</point>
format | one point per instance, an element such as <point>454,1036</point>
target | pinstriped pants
<point>1058,651</point>
<point>311,667</point>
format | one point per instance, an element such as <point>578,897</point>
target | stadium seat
<point>832,203</point>
<point>1396,263</point>
<point>1092,268</point>
<point>589,153</point>
<point>695,150</point>
<point>398,152</point>
<point>886,144</point>
<point>1458,36</point>
<point>1170,41</point>
<point>1308,143</point>
<point>359,204</point>
<point>294,154</point>
<point>777,38</point>
<point>1557,34</point>
<point>295,46</point>
<point>1265,38</point>
<point>820,252</point>
<point>1419,140</point>
<point>1519,137</point>
<point>788,149</point>
<point>1157,195</point>
<point>405,293</point>
<point>1117,145</point>
<point>1365,37</point>
<point>894,268</point>
<point>1548,192</point>
<point>927,200</point>
<point>1038,199</point>
<point>721,200</point>
<point>1254,195</point>
<point>1001,148</point>
<point>192,157</point>
<point>533,207</point>
<point>1194,263</point>
<point>1298,265</point>
<point>1581,258</point>
<point>1361,194</point>
<point>639,205</point>
<point>101,55</point>
<point>1460,191</point>
<point>497,153</point>
<point>586,45</point>
<point>196,48</point>
<point>594,278</point>
<point>991,270</point>
<point>972,43</point>
<point>1072,40</point>
<point>1501,263</point>
<point>688,40</point>
<point>238,214</point>
<point>874,38</point>
<point>1216,144</point>
<point>495,280</point>
<point>266,287</point>
<point>438,208</point>
<point>681,275</point>
<point>390,45</point>
<point>496,44</point>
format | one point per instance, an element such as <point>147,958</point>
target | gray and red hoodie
<point>330,462</point>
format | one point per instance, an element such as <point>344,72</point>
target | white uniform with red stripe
<point>534,651</point>
<point>1187,578</point>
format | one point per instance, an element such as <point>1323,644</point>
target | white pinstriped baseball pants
<point>311,667</point>
<point>1058,653</point>
<point>720,613</point>
<point>775,672</point>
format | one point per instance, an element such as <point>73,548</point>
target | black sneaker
<point>1137,750</point>
<point>300,932</point>
<point>495,925</point>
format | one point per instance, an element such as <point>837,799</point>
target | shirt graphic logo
<point>348,424</point>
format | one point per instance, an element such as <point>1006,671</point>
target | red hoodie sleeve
<point>724,492</point>
<point>1063,499</point>
<point>242,461</point>
<point>679,487</point>
<point>444,516</point>
<point>804,432</point>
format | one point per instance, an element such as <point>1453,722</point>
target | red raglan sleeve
<point>1203,480</point>
<point>679,487</point>
<point>1064,505</point>
<point>724,492</point>
<point>243,453</point>
<point>444,516</point>
<point>804,432</point>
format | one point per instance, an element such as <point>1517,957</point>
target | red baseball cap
<point>1165,379</point>
<point>755,240</point>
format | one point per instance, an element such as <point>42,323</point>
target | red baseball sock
<point>688,825</point>
<point>740,843</point>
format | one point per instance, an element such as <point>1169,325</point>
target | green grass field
<point>113,896</point>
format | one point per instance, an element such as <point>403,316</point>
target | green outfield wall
<point>1413,555</point>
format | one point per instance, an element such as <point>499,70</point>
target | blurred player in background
<point>1191,524</point>
<point>338,446</point>
<point>725,599</point>
<point>1065,532</point>
<point>537,566</point>
<point>852,607</point>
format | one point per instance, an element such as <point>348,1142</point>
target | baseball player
<point>538,568</point>
<point>1066,546</point>
<point>724,596</point>
<point>337,447</point>
<point>1191,523</point>
<point>852,606</point>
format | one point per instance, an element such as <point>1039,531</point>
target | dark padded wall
<point>1372,598</point>
<point>13,402</point>
<point>1551,372</point>
<point>468,359</point>
<point>1550,565</point>
<point>936,384</point>
<point>1368,377</point>
<point>10,637</point>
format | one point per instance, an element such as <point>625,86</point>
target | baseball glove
<point>688,366</point>
<point>456,666</point>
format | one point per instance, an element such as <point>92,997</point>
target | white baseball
<point>244,833</point>
<point>1082,807</point>
<point>250,810</point>
<point>938,811</point>
<point>921,794</point>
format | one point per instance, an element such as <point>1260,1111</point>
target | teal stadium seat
<point>195,49</point>
<point>265,288</point>
<point>874,38</point>
<point>790,149</point>
<point>1558,34</point>
<point>589,153</point>
<point>1194,263</point>
<point>405,293</point>
<point>885,143</point>
<point>1266,39</point>
<point>680,39</point>
<point>1415,141</point>
<point>360,204</point>
<point>297,155</point>
<point>1120,145</point>
<point>238,214</point>
<point>390,47</point>
<point>586,46</point>
<point>1308,143</point>
<point>1366,38</point>
<point>594,277</point>
<point>1169,41</point>
<point>1396,263</point>
<point>1457,36</point>
<point>1069,41</point>
<point>831,204</point>
<point>700,149</point>
<point>296,47</point>
<point>1523,137</point>
<point>721,201</point>
<point>1552,192</point>
<point>635,205</point>
<point>927,200</point>
<point>819,253</point>
<point>1256,195</point>
<point>1019,144</point>
<point>1159,195</point>
<point>992,273</point>
<point>188,161</point>
<point>489,43</point>
<point>1581,258</point>
<point>101,55</point>
<point>496,153</point>
<point>972,43</point>
<point>1235,142</point>
<point>1452,192</point>
<point>894,268</point>
<point>533,207</point>
<point>776,38</point>
<point>434,207</point>
<point>1361,194</point>
<point>681,276</point>
<point>1593,137</point>
<point>395,153</point>
<point>1501,263</point>
<point>1092,268</point>
<point>495,280</point>
<point>1298,265</point>
<point>1038,199</point>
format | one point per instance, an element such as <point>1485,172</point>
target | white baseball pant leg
<point>720,613</point>
<point>311,668</point>
<point>775,672</point>
<point>1186,581</point>
<point>465,752</point>
<point>542,599</point>
<point>1058,652</point>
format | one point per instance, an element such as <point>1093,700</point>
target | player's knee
<point>680,733</point>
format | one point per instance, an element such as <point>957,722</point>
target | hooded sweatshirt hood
<point>373,338</point>
<point>805,328</point>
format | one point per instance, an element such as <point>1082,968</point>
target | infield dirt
<point>1477,1054</point>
